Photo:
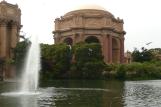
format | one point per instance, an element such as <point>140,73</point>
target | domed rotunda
<point>92,23</point>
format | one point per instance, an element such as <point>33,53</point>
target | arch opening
<point>91,39</point>
<point>68,41</point>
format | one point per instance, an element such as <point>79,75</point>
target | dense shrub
<point>139,71</point>
<point>20,53</point>
<point>55,60</point>
<point>89,60</point>
<point>133,71</point>
<point>85,60</point>
<point>81,61</point>
<point>121,72</point>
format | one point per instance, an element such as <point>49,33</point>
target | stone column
<point>82,37</point>
<point>3,45</point>
<point>105,47</point>
<point>122,50</point>
<point>78,37</point>
<point>3,37</point>
<point>74,38</point>
<point>14,35</point>
<point>57,23</point>
<point>0,43</point>
<point>109,49</point>
<point>14,38</point>
<point>55,36</point>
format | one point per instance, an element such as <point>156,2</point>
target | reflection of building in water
<point>93,24</point>
<point>114,97</point>
<point>10,24</point>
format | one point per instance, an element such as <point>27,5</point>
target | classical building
<point>10,24</point>
<point>93,24</point>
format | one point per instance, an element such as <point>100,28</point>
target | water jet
<point>30,75</point>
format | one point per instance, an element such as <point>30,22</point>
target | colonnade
<point>8,38</point>
<point>112,46</point>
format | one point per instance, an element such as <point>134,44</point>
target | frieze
<point>9,11</point>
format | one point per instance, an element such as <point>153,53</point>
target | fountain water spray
<point>30,75</point>
<point>31,68</point>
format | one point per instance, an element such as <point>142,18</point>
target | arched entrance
<point>68,41</point>
<point>91,39</point>
<point>115,51</point>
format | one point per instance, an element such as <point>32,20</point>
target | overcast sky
<point>142,18</point>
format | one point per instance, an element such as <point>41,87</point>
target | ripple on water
<point>142,94</point>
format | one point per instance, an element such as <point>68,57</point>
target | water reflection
<point>28,101</point>
<point>69,93</point>
<point>94,93</point>
<point>114,97</point>
<point>18,101</point>
<point>142,94</point>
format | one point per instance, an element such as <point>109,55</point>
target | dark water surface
<point>87,93</point>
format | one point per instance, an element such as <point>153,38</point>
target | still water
<point>87,93</point>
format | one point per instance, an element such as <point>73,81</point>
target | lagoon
<point>86,93</point>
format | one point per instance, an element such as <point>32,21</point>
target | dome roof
<point>89,10</point>
<point>90,6</point>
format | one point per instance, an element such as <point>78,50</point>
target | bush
<point>56,59</point>
<point>133,71</point>
<point>89,60</point>
<point>92,69</point>
<point>19,55</point>
<point>85,60</point>
<point>121,72</point>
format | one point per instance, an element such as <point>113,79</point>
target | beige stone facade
<point>97,24</point>
<point>10,24</point>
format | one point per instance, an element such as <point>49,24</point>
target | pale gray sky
<point>142,18</point>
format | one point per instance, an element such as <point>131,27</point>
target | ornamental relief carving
<point>11,11</point>
<point>3,11</point>
<point>78,21</point>
<point>95,23</point>
<point>66,24</point>
<point>108,22</point>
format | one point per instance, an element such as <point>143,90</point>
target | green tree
<point>19,53</point>
<point>142,56</point>
<point>89,60</point>
<point>55,59</point>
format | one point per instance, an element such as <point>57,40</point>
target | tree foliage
<point>85,60</point>
<point>142,56</point>
<point>20,52</point>
<point>55,59</point>
<point>89,60</point>
<point>79,61</point>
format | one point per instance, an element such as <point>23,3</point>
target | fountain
<point>31,68</point>
<point>29,80</point>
